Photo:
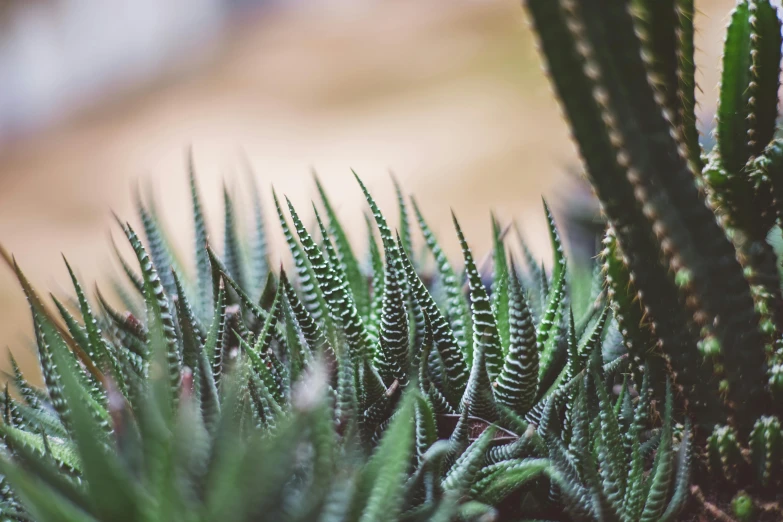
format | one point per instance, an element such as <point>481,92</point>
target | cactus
<point>692,278</point>
<point>339,391</point>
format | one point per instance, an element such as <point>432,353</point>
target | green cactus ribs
<point>353,384</point>
<point>691,273</point>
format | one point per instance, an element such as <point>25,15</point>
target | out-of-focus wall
<point>57,57</point>
<point>450,95</point>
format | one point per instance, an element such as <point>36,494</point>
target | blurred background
<point>100,99</point>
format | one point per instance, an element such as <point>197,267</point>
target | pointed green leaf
<point>517,383</point>
<point>387,469</point>
<point>443,339</point>
<point>341,306</point>
<point>378,275</point>
<point>485,330</point>
<point>682,481</point>
<point>232,250</point>
<point>160,322</point>
<point>348,261</point>
<point>478,399</point>
<point>192,341</point>
<point>312,296</point>
<point>203,268</point>
<point>44,503</point>
<point>458,309</point>
<point>116,495</point>
<point>661,477</point>
<point>462,474</point>
<point>497,481</point>
<point>548,327</point>
<point>500,284</point>
<point>159,250</point>
<point>259,249</point>
<point>99,350</point>
<point>558,264</point>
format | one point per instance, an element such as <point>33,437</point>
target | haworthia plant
<point>307,406</point>
<point>355,392</point>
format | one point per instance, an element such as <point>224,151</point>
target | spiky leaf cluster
<point>342,392</point>
<point>382,392</point>
<point>601,456</point>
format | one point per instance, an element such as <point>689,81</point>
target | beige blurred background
<point>447,94</point>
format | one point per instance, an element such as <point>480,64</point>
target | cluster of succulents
<point>352,391</point>
<point>644,388</point>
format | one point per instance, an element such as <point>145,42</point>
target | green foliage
<point>352,392</point>
<point>284,391</point>
<point>600,472</point>
<point>692,278</point>
<point>306,401</point>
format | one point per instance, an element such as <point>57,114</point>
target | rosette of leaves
<point>346,391</point>
<point>607,464</point>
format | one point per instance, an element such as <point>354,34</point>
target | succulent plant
<point>692,276</point>
<point>352,390</point>
<point>345,392</point>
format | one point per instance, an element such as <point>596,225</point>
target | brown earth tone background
<point>448,95</point>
